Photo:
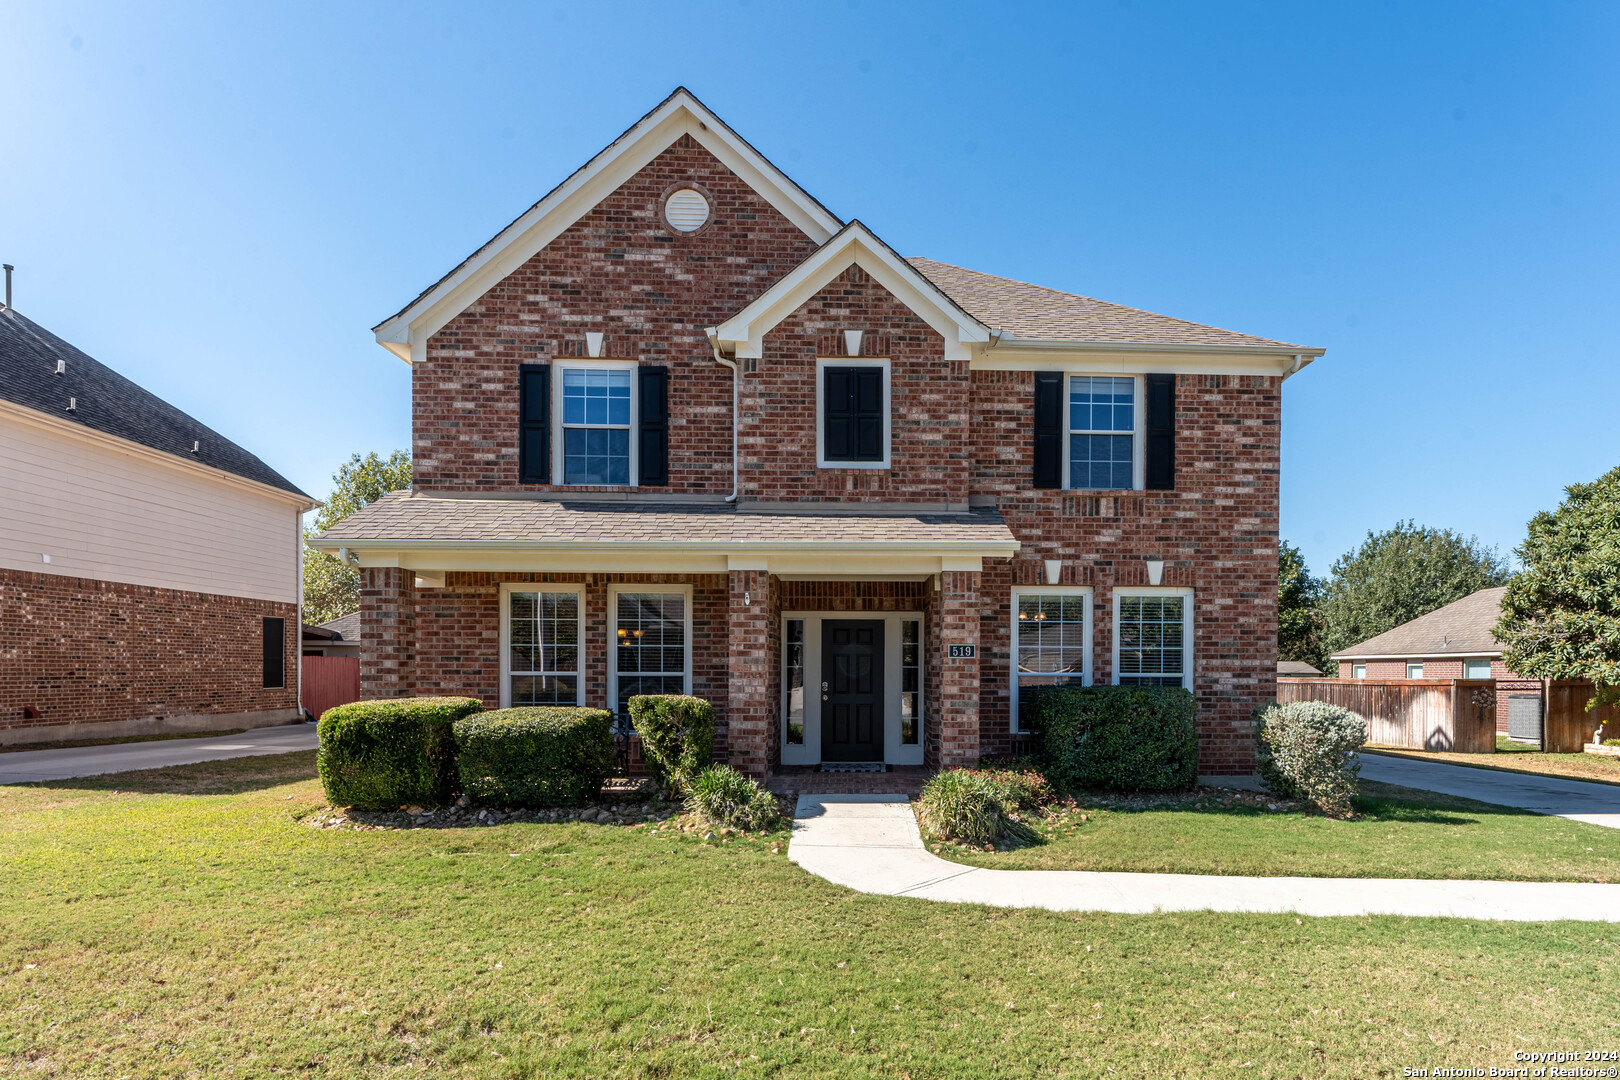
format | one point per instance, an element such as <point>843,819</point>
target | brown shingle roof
<point>416,518</point>
<point>1462,626</point>
<point>1039,313</point>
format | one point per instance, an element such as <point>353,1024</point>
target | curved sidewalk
<point>870,843</point>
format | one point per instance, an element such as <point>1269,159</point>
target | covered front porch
<point>841,637</point>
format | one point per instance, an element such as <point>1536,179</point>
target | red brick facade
<point>956,436</point>
<point>84,653</point>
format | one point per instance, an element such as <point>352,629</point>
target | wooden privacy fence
<point>1568,726</point>
<point>329,681</point>
<point>1423,714</point>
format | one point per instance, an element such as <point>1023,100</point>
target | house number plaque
<point>962,652</point>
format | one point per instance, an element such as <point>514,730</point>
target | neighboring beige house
<point>149,568</point>
<point>1453,642</point>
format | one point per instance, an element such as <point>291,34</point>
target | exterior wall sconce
<point>1054,570</point>
<point>1155,569</point>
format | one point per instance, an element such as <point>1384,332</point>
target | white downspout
<point>714,344</point>
<point>298,631</point>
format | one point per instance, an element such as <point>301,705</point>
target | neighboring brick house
<point>680,428</point>
<point>149,567</point>
<point>1453,642</point>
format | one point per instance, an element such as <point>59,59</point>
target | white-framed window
<point>1153,637</point>
<point>649,643</point>
<point>542,644</point>
<point>1051,640</point>
<point>1476,669</point>
<point>852,413</point>
<point>1103,421</point>
<point>1414,671</point>
<point>1358,671</point>
<point>594,438</point>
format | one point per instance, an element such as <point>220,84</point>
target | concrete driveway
<point>1596,804</point>
<point>29,766</point>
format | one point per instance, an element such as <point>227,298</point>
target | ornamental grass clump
<point>1309,750</point>
<point>981,807</point>
<point>724,797</point>
<point>382,755</point>
<point>677,736</point>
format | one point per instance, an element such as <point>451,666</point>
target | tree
<point>1299,626</point>
<point>332,588</point>
<point>1397,575</point>
<point>1561,614</point>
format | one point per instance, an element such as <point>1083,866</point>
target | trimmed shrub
<point>721,795</point>
<point>381,755</point>
<point>1129,738</point>
<point>677,736</point>
<point>1307,750</point>
<point>538,756</point>
<point>980,806</point>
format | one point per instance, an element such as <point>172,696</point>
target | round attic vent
<point>686,210</point>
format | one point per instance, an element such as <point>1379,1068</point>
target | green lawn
<point>1400,833</point>
<point>190,926</point>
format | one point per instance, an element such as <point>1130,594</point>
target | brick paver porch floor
<point>809,780</point>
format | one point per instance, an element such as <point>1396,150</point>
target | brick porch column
<point>957,690</point>
<point>748,689</point>
<point>387,632</point>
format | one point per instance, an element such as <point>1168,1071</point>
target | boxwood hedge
<point>539,756</point>
<point>1130,738</point>
<point>677,736</point>
<point>381,755</point>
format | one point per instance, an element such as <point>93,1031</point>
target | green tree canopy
<point>1561,615</point>
<point>330,587</point>
<point>1299,625</point>
<point>1399,574</point>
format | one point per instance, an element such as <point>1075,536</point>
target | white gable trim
<point>406,333</point>
<point>744,332</point>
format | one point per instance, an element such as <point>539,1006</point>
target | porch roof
<point>437,530</point>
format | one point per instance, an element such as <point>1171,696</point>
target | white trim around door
<point>895,752</point>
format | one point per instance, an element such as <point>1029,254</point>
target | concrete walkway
<point>1595,804</point>
<point>28,766</point>
<point>870,843</point>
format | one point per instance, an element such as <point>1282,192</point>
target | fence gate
<point>1524,717</point>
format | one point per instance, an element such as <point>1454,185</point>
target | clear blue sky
<point>220,200</point>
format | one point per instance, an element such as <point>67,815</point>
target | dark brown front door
<point>851,690</point>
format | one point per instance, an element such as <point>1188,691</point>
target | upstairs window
<point>853,403</point>
<point>1102,432</point>
<point>596,422</point>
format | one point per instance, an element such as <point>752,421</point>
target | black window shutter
<point>534,423</point>
<point>654,436</point>
<point>852,402</point>
<point>1048,429</point>
<point>275,653</point>
<point>1161,432</point>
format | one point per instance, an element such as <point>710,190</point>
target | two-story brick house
<point>680,428</point>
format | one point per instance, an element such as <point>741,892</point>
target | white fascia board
<point>1145,358</point>
<point>744,333</point>
<point>406,334</point>
<point>1477,654</point>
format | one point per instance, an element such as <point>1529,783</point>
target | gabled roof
<point>1033,312</point>
<point>679,114</point>
<point>347,627</point>
<point>1461,628</point>
<point>106,402</point>
<point>856,245</point>
<point>1295,669</point>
